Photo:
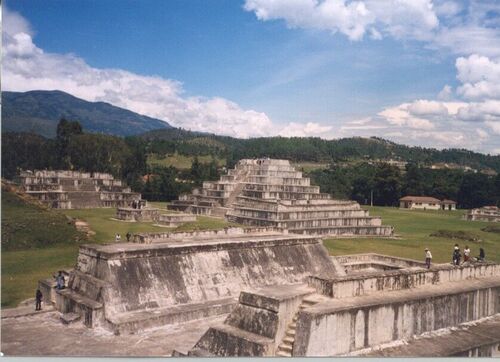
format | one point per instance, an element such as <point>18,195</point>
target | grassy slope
<point>48,240</point>
<point>180,162</point>
<point>26,225</point>
<point>414,228</point>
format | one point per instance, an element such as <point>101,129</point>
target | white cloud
<point>424,107</point>
<point>398,18</point>
<point>480,77</point>
<point>482,133</point>
<point>495,126</point>
<point>27,67</point>
<point>446,93</point>
<point>310,129</point>
<point>402,116</point>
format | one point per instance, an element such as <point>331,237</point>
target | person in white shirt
<point>466,253</point>
<point>428,258</point>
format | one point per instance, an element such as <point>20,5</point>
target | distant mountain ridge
<point>40,111</point>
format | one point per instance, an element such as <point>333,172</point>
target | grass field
<point>310,166</point>
<point>414,228</point>
<point>22,269</point>
<point>180,162</point>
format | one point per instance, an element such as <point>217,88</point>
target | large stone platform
<point>360,313</point>
<point>132,286</point>
<point>268,192</point>
<point>76,190</point>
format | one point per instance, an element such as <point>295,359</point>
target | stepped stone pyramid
<point>65,189</point>
<point>269,192</point>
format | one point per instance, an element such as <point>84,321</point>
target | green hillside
<point>39,112</point>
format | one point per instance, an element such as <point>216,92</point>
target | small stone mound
<point>457,234</point>
<point>492,229</point>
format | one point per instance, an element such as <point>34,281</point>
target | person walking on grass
<point>428,258</point>
<point>38,298</point>
<point>466,253</point>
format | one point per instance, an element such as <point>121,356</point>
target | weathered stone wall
<point>345,325</point>
<point>147,238</point>
<point>391,280</point>
<point>162,275</point>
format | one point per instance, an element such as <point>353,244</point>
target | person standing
<point>456,255</point>
<point>482,254</point>
<point>60,282</point>
<point>428,258</point>
<point>38,298</point>
<point>129,235</point>
<point>466,253</point>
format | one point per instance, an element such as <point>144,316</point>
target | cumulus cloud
<point>27,67</point>
<point>398,18</point>
<point>480,77</point>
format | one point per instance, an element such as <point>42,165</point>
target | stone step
<point>290,332</point>
<point>289,340</point>
<point>292,325</point>
<point>295,317</point>
<point>283,354</point>
<point>286,348</point>
<point>68,318</point>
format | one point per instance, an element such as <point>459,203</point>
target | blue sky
<point>418,72</point>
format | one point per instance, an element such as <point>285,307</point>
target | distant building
<point>426,203</point>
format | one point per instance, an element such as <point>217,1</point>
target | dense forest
<point>362,180</point>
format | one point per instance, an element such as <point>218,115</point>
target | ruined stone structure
<point>267,192</point>
<point>355,314</point>
<point>487,213</point>
<point>173,278</point>
<point>141,215</point>
<point>282,295</point>
<point>174,220</point>
<point>76,190</point>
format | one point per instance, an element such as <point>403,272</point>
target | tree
<point>413,180</point>
<point>66,130</point>
<point>387,191</point>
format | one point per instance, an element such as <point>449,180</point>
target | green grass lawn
<point>414,227</point>
<point>180,162</point>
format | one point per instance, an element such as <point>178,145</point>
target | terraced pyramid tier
<point>66,189</point>
<point>268,192</point>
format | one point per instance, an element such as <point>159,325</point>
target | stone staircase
<point>286,346</point>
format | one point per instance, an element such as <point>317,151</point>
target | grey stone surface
<point>463,341</point>
<point>145,285</point>
<point>45,335</point>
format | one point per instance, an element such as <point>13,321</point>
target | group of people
<point>456,256</point>
<point>60,284</point>
<point>118,237</point>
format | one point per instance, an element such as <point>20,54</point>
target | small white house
<point>426,203</point>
